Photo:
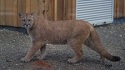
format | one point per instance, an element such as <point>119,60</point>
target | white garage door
<point>97,12</point>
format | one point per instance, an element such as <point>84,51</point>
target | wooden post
<point>55,10</point>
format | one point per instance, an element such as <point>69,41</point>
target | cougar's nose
<point>25,25</point>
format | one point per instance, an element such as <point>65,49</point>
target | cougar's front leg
<point>36,45</point>
<point>43,52</point>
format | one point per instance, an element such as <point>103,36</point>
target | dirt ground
<point>14,43</point>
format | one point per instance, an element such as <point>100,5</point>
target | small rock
<point>123,49</point>
<point>8,60</point>
<point>120,35</point>
<point>19,64</point>
<point>108,66</point>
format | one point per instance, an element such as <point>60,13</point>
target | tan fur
<point>72,32</point>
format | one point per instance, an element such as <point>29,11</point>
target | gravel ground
<point>14,43</point>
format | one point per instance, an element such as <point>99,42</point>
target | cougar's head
<point>27,20</point>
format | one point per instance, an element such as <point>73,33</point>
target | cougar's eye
<point>29,20</point>
<point>24,20</point>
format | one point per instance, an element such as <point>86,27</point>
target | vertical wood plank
<point>68,9</point>
<point>23,6</point>
<point>73,9</point>
<point>19,10</point>
<point>121,8</point>
<point>2,9</point>
<point>115,10</point>
<point>34,6</point>
<point>64,10</point>
<point>8,12</point>
<point>46,6</point>
<point>15,8</point>
<point>28,6</point>
<point>118,7</point>
<point>124,9</point>
<point>60,9</point>
<point>41,8</point>
<point>11,12</point>
<point>51,10</point>
<point>55,10</point>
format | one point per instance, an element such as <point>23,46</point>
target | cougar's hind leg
<point>77,48</point>
<point>89,43</point>
<point>43,52</point>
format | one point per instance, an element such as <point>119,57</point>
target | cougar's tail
<point>95,40</point>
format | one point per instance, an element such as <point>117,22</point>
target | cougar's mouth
<point>26,25</point>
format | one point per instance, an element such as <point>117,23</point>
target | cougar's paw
<point>102,59</point>
<point>25,60</point>
<point>42,57</point>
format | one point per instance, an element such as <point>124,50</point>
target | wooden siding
<point>8,12</point>
<point>52,9</point>
<point>66,9</point>
<point>48,9</point>
<point>119,8</point>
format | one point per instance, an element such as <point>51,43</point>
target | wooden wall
<point>48,9</point>
<point>8,12</point>
<point>44,8</point>
<point>52,9</point>
<point>66,9</point>
<point>119,8</point>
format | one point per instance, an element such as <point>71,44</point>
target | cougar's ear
<point>21,14</point>
<point>33,14</point>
